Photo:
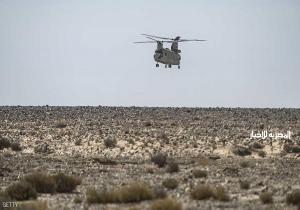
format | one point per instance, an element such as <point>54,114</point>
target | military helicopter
<point>165,55</point>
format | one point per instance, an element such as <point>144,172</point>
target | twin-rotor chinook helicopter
<point>165,55</point>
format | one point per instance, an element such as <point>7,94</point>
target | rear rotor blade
<point>191,40</point>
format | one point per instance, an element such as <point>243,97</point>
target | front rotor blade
<point>144,42</point>
<point>165,38</point>
<point>152,39</point>
<point>167,41</point>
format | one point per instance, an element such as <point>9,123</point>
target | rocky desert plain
<point>138,158</point>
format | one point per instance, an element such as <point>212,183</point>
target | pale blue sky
<point>71,52</point>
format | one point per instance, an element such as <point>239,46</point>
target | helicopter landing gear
<point>157,65</point>
<point>178,66</point>
<point>170,66</point>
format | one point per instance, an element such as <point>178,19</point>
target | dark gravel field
<point>148,158</point>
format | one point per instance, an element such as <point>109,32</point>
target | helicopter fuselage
<point>167,56</point>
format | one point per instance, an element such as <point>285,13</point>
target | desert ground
<point>109,148</point>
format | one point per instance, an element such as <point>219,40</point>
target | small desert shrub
<point>147,123</point>
<point>104,161</point>
<point>220,194</point>
<point>203,161</point>
<point>137,133</point>
<point>261,126</point>
<point>126,130</point>
<point>159,159</point>
<point>44,183</point>
<point>42,148</point>
<point>245,185</point>
<point>266,197</point>
<point>287,148</point>
<point>77,200</point>
<point>135,193</point>
<point>78,142</point>
<point>202,192</point>
<point>16,147</point>
<point>262,153</point>
<point>257,145</point>
<point>196,118</point>
<point>150,170</point>
<point>41,182</point>
<point>245,164</point>
<point>65,183</point>
<point>127,194</point>
<point>291,148</point>
<point>159,192</point>
<point>173,124</point>
<point>170,183</point>
<point>33,205</point>
<point>164,137</point>
<point>21,191</point>
<point>100,196</point>
<point>172,167</point>
<point>214,157</point>
<point>4,143</point>
<point>241,151</point>
<point>110,142</point>
<point>295,149</point>
<point>198,173</point>
<point>3,198</point>
<point>166,204</point>
<point>60,124</point>
<point>293,197</point>
<point>130,141</point>
<point>2,194</point>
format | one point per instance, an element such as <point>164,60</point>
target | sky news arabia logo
<point>266,134</point>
